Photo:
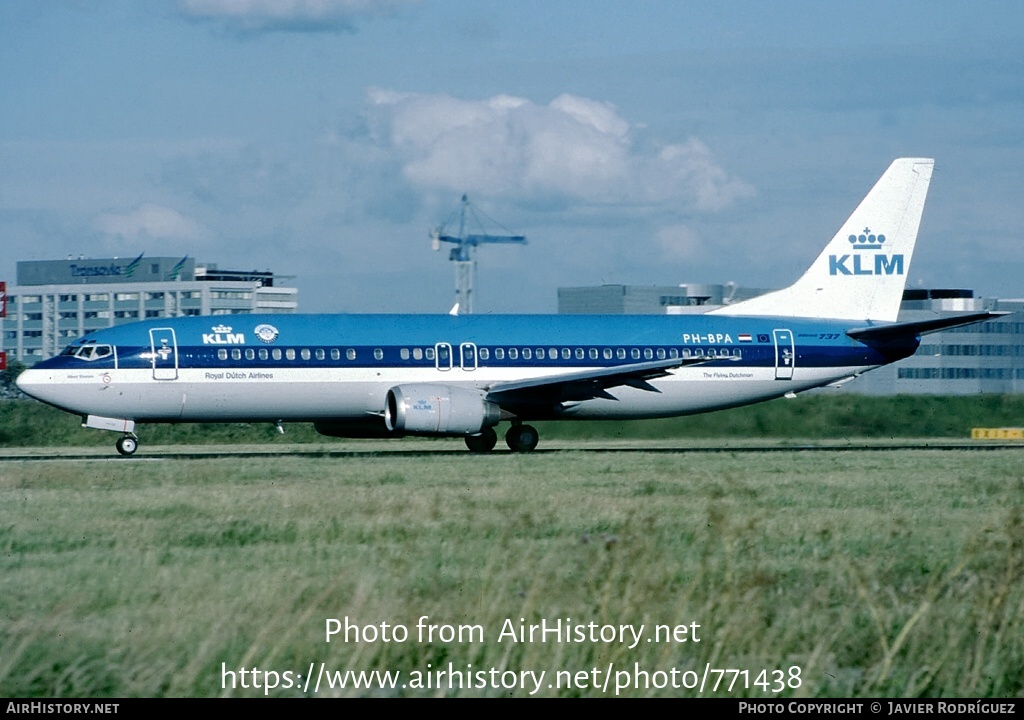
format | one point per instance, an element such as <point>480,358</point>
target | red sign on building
<point>3,313</point>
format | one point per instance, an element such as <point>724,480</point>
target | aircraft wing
<point>884,333</point>
<point>587,384</point>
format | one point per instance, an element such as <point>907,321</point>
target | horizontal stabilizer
<point>918,327</point>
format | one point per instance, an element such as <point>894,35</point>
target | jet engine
<point>438,410</point>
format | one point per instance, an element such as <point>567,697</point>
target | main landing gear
<point>127,444</point>
<point>484,442</point>
<point>522,438</point>
<point>519,438</point>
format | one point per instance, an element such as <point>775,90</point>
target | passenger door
<point>164,347</point>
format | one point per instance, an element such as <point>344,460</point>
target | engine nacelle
<point>438,410</point>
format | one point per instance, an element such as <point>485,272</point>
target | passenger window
<point>686,352</point>
<point>527,354</point>
<point>499,353</point>
<point>566,354</point>
<point>593,353</point>
<point>250,354</point>
<point>222,354</point>
<point>236,354</point>
<point>661,353</point>
<point>620,353</point>
<point>304,353</point>
<point>673,353</point>
<point>484,353</point>
<point>335,354</point>
<point>635,353</point>
<point>648,354</point>
<point>378,354</point>
<point>513,353</point>
<point>264,354</point>
<point>320,354</point>
<point>404,353</point>
<point>607,353</point>
<point>417,353</point>
<point>350,354</point>
<point>552,353</point>
<point>289,354</point>
<point>276,353</point>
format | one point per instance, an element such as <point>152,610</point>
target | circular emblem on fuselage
<point>266,333</point>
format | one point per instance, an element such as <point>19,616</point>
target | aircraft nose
<point>34,383</point>
<point>47,385</point>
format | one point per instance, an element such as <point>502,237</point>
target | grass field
<point>896,573</point>
<point>826,414</point>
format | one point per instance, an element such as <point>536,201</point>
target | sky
<point>656,142</point>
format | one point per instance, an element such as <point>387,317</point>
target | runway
<point>436,448</point>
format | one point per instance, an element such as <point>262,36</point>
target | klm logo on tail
<point>862,262</point>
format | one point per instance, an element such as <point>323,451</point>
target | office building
<point>56,301</point>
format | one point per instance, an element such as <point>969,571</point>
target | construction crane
<point>462,253</point>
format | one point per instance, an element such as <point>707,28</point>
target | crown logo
<point>867,240</point>
<point>221,329</point>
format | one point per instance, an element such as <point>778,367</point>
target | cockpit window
<point>90,352</point>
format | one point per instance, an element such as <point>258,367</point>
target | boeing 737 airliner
<point>396,375</point>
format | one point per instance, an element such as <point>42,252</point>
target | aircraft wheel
<point>482,443</point>
<point>127,445</point>
<point>522,438</point>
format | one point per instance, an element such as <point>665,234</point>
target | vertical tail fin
<point>861,273</point>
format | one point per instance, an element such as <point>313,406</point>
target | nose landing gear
<point>127,444</point>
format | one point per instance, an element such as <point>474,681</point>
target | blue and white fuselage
<point>393,375</point>
<point>338,367</point>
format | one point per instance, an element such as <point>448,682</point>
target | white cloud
<point>290,15</point>
<point>677,243</point>
<point>150,222</point>
<point>574,148</point>
<point>691,168</point>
